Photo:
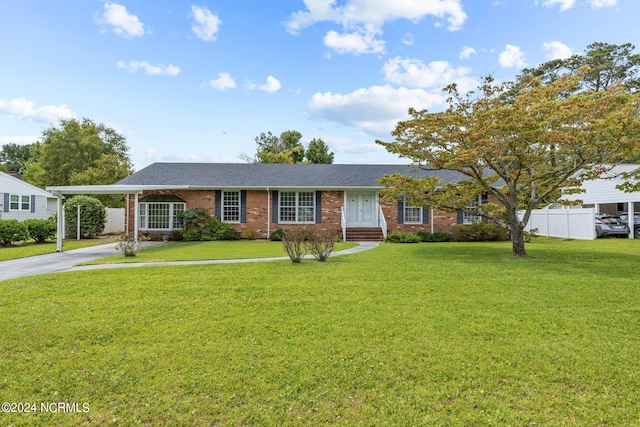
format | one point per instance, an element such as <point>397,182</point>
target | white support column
<point>60,225</point>
<point>631,220</point>
<point>135,218</point>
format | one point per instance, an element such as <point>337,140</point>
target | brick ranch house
<point>262,198</point>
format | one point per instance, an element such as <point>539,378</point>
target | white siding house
<point>603,195</point>
<point>20,200</point>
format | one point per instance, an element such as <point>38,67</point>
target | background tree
<point>79,153</point>
<point>14,157</point>
<point>318,152</point>
<point>519,152</point>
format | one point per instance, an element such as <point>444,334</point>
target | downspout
<point>431,220</point>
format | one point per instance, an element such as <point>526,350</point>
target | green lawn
<point>26,249</point>
<point>443,334</point>
<point>192,251</point>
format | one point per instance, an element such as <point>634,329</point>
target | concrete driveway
<point>67,260</point>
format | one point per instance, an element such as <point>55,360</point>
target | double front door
<point>361,209</point>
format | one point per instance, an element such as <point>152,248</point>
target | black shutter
<point>274,207</point>
<point>425,216</point>
<point>218,208</point>
<point>33,203</point>
<point>400,212</point>
<point>460,218</point>
<point>318,207</point>
<point>6,202</point>
<point>243,206</point>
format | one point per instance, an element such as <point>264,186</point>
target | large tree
<point>518,152</point>
<point>318,152</point>
<point>80,152</point>
<point>14,157</point>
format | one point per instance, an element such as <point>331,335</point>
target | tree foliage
<point>79,153</point>
<point>14,157</point>
<point>287,148</point>
<point>519,152</point>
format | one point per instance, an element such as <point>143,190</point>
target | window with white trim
<point>297,206</point>
<point>470,214</point>
<point>19,202</point>
<point>412,214</point>
<point>231,206</point>
<point>161,215</point>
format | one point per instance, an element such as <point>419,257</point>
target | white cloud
<point>353,43</point>
<point>408,39</point>
<point>603,3</point>
<point>20,140</point>
<point>376,110</point>
<point>466,52</point>
<point>557,50</point>
<point>271,86</point>
<point>512,56</point>
<point>436,74</point>
<point>23,109</point>
<point>206,24</point>
<point>151,70</point>
<point>564,4</point>
<point>223,82</point>
<point>363,20</point>
<point>124,24</point>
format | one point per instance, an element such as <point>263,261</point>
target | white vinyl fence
<point>566,223</point>
<point>115,221</point>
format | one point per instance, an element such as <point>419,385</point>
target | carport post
<point>60,222</point>
<point>135,218</point>
<point>631,221</point>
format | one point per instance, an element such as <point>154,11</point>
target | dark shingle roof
<point>257,175</point>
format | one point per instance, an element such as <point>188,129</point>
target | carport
<point>603,195</point>
<point>128,190</point>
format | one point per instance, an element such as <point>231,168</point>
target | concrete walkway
<point>67,260</point>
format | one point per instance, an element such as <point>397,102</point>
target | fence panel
<point>115,221</point>
<point>565,223</point>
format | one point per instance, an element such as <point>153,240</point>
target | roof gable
<point>9,184</point>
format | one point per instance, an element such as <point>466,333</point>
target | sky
<point>188,81</point>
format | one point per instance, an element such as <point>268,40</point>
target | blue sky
<point>198,81</point>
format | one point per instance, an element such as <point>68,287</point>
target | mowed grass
<point>27,249</point>
<point>442,334</point>
<point>194,251</point>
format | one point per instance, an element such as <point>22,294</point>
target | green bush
<point>478,232</point>
<point>200,226</point>
<point>400,237</point>
<point>277,235</point>
<point>93,216</point>
<point>12,230</point>
<point>434,237</point>
<point>40,229</point>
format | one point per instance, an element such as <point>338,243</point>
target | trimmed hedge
<point>200,226</point>
<point>12,230</point>
<point>40,229</point>
<point>434,237</point>
<point>93,216</point>
<point>400,237</point>
<point>478,232</point>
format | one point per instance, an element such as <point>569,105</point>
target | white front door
<point>361,209</point>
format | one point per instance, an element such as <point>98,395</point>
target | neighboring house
<point>263,198</point>
<point>603,195</point>
<point>20,200</point>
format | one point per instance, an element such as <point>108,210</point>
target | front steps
<point>364,234</point>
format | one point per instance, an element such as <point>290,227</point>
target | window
<point>231,206</point>
<point>19,203</point>
<point>470,214</point>
<point>160,215</point>
<point>412,215</point>
<point>297,206</point>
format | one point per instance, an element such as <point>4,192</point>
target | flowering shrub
<point>128,245</point>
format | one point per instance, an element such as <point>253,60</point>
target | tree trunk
<point>517,241</point>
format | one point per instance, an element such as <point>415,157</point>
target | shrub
<point>40,229</point>
<point>93,216</point>
<point>176,236</point>
<point>250,233</point>
<point>277,235</point>
<point>294,245</point>
<point>12,230</point>
<point>128,245</point>
<point>478,232</point>
<point>322,242</point>
<point>400,237</point>
<point>434,237</point>
<point>200,226</point>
